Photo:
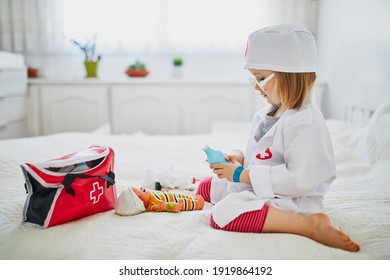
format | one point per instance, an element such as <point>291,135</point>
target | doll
<point>134,201</point>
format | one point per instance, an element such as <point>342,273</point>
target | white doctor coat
<point>290,167</point>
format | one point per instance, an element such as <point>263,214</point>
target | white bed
<point>358,203</point>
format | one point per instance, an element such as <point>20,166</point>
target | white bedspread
<point>358,203</point>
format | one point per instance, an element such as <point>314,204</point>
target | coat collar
<point>285,114</point>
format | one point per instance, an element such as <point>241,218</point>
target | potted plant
<point>137,69</point>
<point>177,63</point>
<point>90,61</point>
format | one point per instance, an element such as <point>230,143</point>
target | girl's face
<point>269,92</point>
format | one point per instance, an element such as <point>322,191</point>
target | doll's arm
<point>171,206</point>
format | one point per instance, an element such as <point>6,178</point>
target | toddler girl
<point>278,184</point>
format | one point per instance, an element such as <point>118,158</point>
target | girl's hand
<point>226,170</point>
<point>239,157</point>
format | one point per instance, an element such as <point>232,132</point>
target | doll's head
<point>142,194</point>
<point>132,201</point>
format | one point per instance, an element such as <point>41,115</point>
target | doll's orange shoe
<point>200,204</point>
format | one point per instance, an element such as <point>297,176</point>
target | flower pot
<point>177,71</point>
<point>137,72</point>
<point>32,72</point>
<point>91,68</point>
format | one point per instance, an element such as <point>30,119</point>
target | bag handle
<point>71,177</point>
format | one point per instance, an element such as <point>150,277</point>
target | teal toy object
<point>215,156</point>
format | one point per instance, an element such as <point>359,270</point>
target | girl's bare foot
<point>327,234</point>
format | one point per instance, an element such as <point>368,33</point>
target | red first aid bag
<point>70,187</point>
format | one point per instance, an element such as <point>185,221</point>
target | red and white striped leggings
<point>248,222</point>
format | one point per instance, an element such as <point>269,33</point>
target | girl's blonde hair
<point>293,88</point>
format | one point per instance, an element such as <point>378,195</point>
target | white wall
<point>354,53</point>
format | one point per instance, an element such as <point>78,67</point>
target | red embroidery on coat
<point>264,155</point>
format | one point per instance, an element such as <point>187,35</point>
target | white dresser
<point>131,105</point>
<point>13,92</point>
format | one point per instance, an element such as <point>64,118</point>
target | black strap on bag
<point>71,177</point>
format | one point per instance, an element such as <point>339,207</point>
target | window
<point>144,26</point>
<point>165,26</point>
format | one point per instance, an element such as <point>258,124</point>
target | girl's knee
<point>204,188</point>
<point>247,222</point>
<point>213,224</point>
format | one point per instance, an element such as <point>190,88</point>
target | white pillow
<point>374,142</point>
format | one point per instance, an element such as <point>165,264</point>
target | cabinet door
<point>151,109</point>
<point>213,103</point>
<point>80,108</point>
<point>13,81</point>
<point>13,84</point>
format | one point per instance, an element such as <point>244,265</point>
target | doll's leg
<point>191,203</point>
<point>204,188</point>
<point>316,226</point>
<point>248,222</point>
<point>199,202</point>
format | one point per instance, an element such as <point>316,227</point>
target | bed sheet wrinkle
<point>363,219</point>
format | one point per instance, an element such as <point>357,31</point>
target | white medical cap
<point>128,203</point>
<point>286,48</point>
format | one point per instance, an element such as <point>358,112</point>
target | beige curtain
<point>294,11</point>
<point>31,26</point>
